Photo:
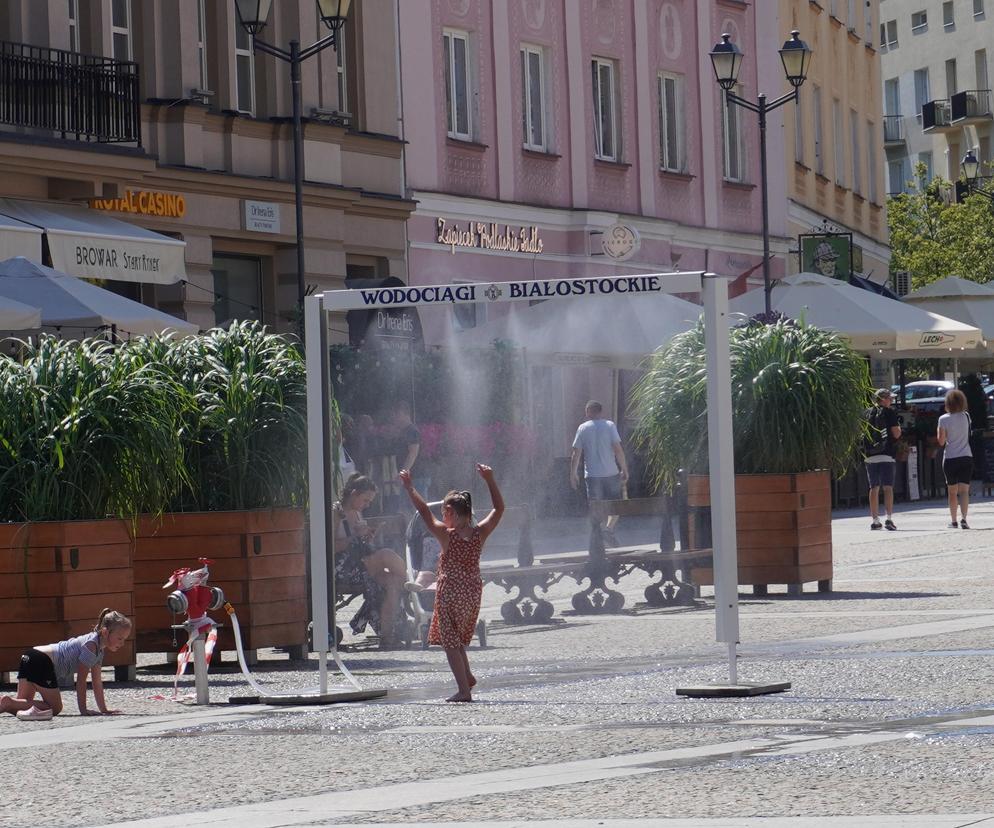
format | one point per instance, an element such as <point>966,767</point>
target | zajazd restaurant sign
<point>482,235</point>
<point>144,203</point>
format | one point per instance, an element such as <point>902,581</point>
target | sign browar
<point>395,297</point>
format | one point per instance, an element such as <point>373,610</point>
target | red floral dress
<point>459,589</point>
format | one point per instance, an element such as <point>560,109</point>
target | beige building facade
<point>832,137</point>
<point>936,57</point>
<point>159,115</point>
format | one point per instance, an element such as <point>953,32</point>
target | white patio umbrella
<point>872,323</point>
<point>67,301</point>
<point>617,331</point>
<point>960,299</point>
<point>16,316</point>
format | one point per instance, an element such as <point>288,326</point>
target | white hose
<point>248,676</point>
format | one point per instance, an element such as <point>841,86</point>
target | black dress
<point>351,576</point>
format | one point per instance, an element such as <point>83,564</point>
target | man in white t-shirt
<point>605,469</point>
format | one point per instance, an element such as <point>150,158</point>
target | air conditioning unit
<point>902,283</point>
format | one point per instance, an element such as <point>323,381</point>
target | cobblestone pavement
<point>889,720</point>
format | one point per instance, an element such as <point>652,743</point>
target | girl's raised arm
<point>489,523</point>
<point>435,526</point>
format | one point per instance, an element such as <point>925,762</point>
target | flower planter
<point>783,528</point>
<point>258,560</point>
<point>56,577</point>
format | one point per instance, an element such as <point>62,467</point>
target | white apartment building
<point>935,57</point>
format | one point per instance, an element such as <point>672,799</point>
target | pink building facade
<point>535,127</point>
<point>554,120</point>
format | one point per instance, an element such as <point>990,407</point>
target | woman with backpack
<point>878,451</point>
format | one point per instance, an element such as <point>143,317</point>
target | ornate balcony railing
<point>75,96</point>
<point>973,103</point>
<point>936,115</point>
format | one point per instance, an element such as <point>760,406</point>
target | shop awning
<point>85,242</point>
<point>19,239</point>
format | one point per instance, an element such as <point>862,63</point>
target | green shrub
<point>798,397</point>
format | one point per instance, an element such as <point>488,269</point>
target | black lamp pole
<point>253,15</point>
<point>726,58</point>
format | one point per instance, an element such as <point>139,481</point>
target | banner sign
<point>829,254</point>
<point>397,297</point>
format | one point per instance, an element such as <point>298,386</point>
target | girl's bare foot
<point>460,697</point>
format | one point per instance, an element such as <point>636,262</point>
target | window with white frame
<point>851,16</point>
<point>458,87</point>
<point>732,139</point>
<point>922,91</point>
<point>120,29</point>
<point>341,71</point>
<point>926,159</point>
<point>952,87</point>
<point>948,15</point>
<point>833,8</point>
<point>202,43</point>
<point>898,174</point>
<point>839,137</point>
<point>244,72</point>
<point>980,68</point>
<point>919,21</point>
<point>819,138</point>
<point>872,138</point>
<point>798,129</point>
<point>73,20</point>
<point>978,8</point>
<point>888,34</point>
<point>605,105</point>
<point>533,123</point>
<point>857,158</point>
<point>672,129</point>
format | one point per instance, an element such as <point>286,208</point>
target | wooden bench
<point>598,566</point>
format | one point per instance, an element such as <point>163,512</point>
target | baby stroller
<point>423,551</point>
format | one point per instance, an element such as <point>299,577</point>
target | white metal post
<point>200,669</point>
<point>317,483</point>
<point>721,461</point>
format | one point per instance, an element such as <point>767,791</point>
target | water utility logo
<point>933,339</point>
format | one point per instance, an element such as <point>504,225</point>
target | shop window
<point>237,288</point>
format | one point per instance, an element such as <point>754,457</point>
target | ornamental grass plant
<point>798,398</point>
<point>213,422</point>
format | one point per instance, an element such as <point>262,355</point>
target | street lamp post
<point>253,16</point>
<point>971,168</point>
<point>726,59</point>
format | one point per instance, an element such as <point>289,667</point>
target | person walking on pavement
<point>957,460</point>
<point>605,468</point>
<point>879,450</point>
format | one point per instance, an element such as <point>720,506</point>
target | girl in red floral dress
<point>459,588</point>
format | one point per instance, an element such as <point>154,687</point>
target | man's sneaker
<point>876,525</point>
<point>889,524</point>
<point>33,714</point>
<point>609,538</point>
<point>963,524</point>
<point>953,525</point>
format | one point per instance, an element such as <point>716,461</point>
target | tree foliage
<point>933,236</point>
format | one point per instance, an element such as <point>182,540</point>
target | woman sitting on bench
<point>379,574</point>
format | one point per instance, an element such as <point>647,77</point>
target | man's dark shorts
<point>880,474</point>
<point>958,470</point>
<point>37,668</point>
<point>604,488</point>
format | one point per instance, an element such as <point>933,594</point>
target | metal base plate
<point>327,698</point>
<point>743,688</point>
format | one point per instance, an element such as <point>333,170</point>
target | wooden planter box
<point>258,560</point>
<point>783,528</point>
<point>55,578</point>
